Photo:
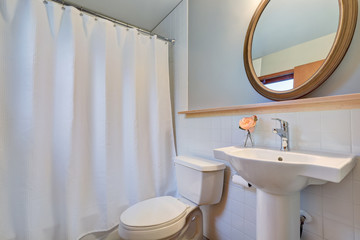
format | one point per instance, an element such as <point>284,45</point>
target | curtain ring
<point>63,5</point>
<point>45,2</point>
<point>81,14</point>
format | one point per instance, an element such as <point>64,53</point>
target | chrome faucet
<point>283,132</point>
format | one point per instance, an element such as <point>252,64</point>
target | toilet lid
<point>152,212</point>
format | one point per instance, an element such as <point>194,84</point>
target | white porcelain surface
<point>279,176</point>
<point>153,212</point>
<point>155,218</point>
<point>199,180</point>
<point>295,171</point>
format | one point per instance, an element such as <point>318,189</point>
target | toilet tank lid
<point>199,164</point>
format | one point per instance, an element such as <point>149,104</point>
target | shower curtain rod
<point>99,15</point>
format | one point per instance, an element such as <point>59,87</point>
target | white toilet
<point>200,182</point>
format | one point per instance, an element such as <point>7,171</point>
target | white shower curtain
<point>85,121</point>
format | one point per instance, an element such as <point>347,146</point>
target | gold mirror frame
<point>344,35</point>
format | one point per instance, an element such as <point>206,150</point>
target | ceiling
<point>145,14</point>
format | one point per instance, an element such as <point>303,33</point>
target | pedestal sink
<point>279,177</point>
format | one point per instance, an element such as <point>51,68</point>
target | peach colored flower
<point>248,123</point>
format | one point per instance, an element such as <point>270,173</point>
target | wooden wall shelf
<point>348,101</point>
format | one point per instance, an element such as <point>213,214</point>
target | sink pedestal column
<point>277,216</point>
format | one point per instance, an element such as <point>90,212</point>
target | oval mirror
<point>292,47</point>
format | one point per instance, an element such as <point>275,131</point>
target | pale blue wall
<point>217,76</point>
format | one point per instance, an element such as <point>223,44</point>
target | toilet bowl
<point>155,218</point>
<point>200,182</point>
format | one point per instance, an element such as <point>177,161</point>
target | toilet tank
<point>199,180</point>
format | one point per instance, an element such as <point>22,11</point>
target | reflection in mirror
<point>292,39</point>
<point>281,85</point>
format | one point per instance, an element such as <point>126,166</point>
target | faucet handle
<point>283,123</point>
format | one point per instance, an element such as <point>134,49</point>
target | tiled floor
<point>105,235</point>
<point>108,235</point>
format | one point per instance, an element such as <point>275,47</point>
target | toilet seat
<point>155,218</point>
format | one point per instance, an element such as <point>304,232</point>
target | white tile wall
<point>357,234</point>
<point>357,216</point>
<point>308,235</point>
<point>335,208</point>
<point>355,128</point>
<point>334,230</point>
<point>337,139</point>
<point>307,136</point>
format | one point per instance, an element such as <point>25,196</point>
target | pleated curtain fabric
<point>85,121</point>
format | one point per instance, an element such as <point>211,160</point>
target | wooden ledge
<point>348,101</point>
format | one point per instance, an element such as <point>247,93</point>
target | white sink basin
<point>281,172</point>
<point>279,176</point>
